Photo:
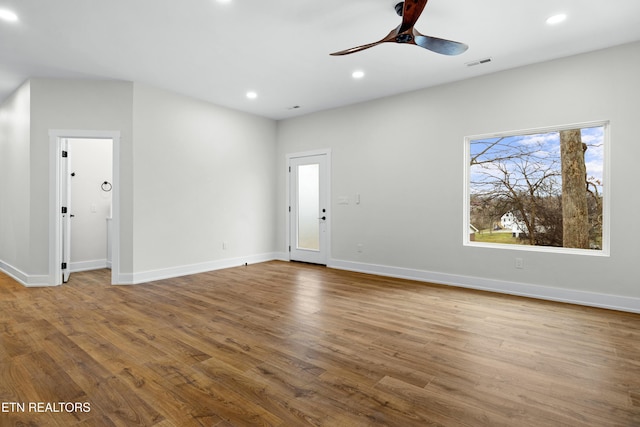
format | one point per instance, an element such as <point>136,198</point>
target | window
<point>543,189</point>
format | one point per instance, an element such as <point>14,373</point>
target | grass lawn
<point>505,238</point>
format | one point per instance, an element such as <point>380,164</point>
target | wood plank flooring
<point>287,344</point>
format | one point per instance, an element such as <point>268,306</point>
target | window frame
<point>606,189</point>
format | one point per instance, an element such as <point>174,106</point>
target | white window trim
<point>606,229</point>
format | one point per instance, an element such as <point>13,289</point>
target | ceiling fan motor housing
<point>404,38</point>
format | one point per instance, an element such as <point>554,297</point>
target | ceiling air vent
<point>479,62</point>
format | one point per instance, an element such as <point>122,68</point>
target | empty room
<point>365,213</point>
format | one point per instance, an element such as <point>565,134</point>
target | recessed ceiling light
<point>224,1</point>
<point>357,74</point>
<point>7,15</point>
<point>252,95</point>
<point>556,19</point>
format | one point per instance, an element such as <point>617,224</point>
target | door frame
<point>65,200</point>
<point>55,202</point>
<point>327,183</point>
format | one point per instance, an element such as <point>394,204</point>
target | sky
<point>544,149</point>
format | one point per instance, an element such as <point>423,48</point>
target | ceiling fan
<point>405,33</point>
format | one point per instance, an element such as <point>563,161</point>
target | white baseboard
<point>97,264</point>
<point>572,296</point>
<point>185,270</point>
<point>24,279</point>
<point>281,256</point>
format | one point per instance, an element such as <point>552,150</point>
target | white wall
<point>404,156</point>
<point>77,105</point>
<point>15,182</point>
<point>204,175</point>
<point>204,181</point>
<point>200,175</point>
<point>91,163</point>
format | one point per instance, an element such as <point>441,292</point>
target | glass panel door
<point>308,233</point>
<point>308,208</point>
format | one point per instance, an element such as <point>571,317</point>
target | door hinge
<point>289,168</point>
<point>65,154</point>
<point>289,248</point>
<point>64,266</point>
<point>64,209</point>
<point>289,208</point>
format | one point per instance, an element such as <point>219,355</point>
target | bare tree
<point>575,212</point>
<point>521,176</point>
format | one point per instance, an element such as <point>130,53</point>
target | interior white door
<point>65,197</point>
<point>309,211</point>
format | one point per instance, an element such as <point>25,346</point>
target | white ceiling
<point>280,48</point>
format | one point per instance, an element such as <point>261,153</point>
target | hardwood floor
<point>286,344</point>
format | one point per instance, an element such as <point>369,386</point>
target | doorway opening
<point>85,209</point>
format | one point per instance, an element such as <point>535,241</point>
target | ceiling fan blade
<point>356,49</point>
<point>390,37</point>
<point>434,44</point>
<point>410,14</point>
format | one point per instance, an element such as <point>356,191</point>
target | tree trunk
<point>575,214</point>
